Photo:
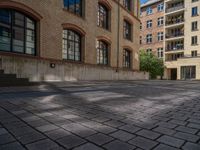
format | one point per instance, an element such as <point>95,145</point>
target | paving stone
<point>167,125</point>
<point>79,129</point>
<point>22,131</point>
<point>143,143</point>
<point>47,128</point>
<point>122,135</point>
<point>58,133</point>
<point>38,123</point>
<point>171,141</point>
<point>114,123</point>
<point>130,128</point>
<point>194,125</point>
<point>164,147</point>
<point>30,138</point>
<point>100,139</point>
<point>6,138</point>
<point>118,145</point>
<point>187,136</point>
<point>101,119</point>
<point>88,146</point>
<point>163,130</point>
<point>148,134</point>
<point>42,144</point>
<point>178,122</point>
<point>191,146</point>
<point>71,141</point>
<point>3,131</point>
<point>12,146</point>
<point>186,129</point>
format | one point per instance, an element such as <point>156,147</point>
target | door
<point>173,74</point>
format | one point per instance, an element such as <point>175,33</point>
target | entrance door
<point>188,72</point>
<point>173,74</point>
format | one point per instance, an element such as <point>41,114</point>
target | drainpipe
<point>118,38</point>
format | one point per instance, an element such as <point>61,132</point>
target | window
<point>126,58</point>
<point>74,6</point>
<point>149,51</point>
<point>195,1</point>
<point>149,23</point>
<point>160,36</point>
<point>194,40</point>
<point>140,26</point>
<point>71,45</point>
<point>160,7</point>
<point>149,11</point>
<point>127,30</point>
<point>102,53</point>
<point>140,39</point>
<point>102,16</point>
<point>127,4</point>
<point>194,26</point>
<point>17,32</point>
<point>160,52</point>
<point>149,38</point>
<point>194,53</point>
<point>194,11</point>
<point>160,21</point>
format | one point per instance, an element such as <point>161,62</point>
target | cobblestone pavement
<point>158,115</point>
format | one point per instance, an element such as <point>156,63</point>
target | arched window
<point>103,16</point>
<point>127,30</point>
<point>126,58</point>
<point>102,53</point>
<point>74,6</point>
<point>71,45</point>
<point>17,32</point>
<point>127,4</point>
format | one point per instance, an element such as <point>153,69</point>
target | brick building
<point>70,39</point>
<point>152,27</point>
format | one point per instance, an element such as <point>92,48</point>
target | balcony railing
<point>178,7</point>
<point>174,48</point>
<point>174,21</point>
<point>173,35</point>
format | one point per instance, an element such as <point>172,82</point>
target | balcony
<point>175,8</point>
<point>173,35</point>
<point>174,48</point>
<point>174,21</point>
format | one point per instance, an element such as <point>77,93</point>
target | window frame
<point>105,12</point>
<point>24,32</point>
<point>127,58</point>
<point>104,50</point>
<point>67,40</point>
<point>74,11</point>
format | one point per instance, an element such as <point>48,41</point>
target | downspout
<point>118,38</point>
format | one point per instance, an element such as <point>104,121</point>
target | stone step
<point>7,76</point>
<point>1,71</point>
<point>16,82</point>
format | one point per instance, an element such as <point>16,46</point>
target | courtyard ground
<point>159,115</point>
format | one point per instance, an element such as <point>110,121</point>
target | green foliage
<point>151,64</point>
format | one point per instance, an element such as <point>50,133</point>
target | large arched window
<point>102,52</point>
<point>71,45</point>
<point>17,32</point>
<point>103,16</point>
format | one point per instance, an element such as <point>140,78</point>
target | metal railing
<point>178,7</point>
<point>172,35</point>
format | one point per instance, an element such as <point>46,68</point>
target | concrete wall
<point>40,70</point>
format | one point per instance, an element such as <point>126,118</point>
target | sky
<point>142,1</point>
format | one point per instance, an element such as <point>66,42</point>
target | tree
<point>151,64</point>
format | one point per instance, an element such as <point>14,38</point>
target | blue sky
<point>142,1</point>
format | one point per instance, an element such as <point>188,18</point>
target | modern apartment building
<point>182,43</point>
<point>152,27</point>
<point>70,39</point>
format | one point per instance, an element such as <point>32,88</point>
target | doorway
<point>174,74</point>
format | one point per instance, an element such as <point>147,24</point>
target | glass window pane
<point>18,39</point>
<point>5,16</point>
<point>19,19</point>
<point>30,23</point>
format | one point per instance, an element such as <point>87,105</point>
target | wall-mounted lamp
<point>52,65</point>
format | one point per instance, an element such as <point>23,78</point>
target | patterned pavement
<point>158,115</point>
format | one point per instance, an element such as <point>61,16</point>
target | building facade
<point>182,49</point>
<point>152,27</point>
<point>70,39</point>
